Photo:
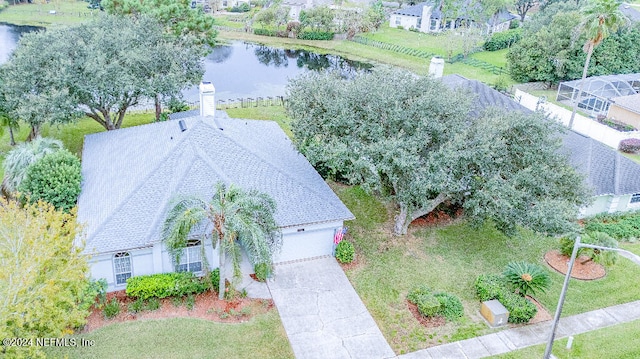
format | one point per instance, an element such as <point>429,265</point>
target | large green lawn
<point>621,342</point>
<point>67,12</point>
<point>449,258</point>
<point>261,337</point>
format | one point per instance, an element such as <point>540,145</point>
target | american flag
<point>340,232</point>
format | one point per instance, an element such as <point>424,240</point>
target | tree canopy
<point>98,69</point>
<point>551,48</point>
<point>55,178</point>
<point>233,217</point>
<point>411,139</point>
<point>177,17</point>
<point>43,276</point>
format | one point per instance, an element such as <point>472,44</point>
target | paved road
<point>322,314</point>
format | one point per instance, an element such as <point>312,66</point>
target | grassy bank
<point>67,12</point>
<point>359,52</point>
<point>449,258</point>
<point>261,337</point>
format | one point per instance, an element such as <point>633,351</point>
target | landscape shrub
<point>521,310</point>
<point>152,304</point>
<point>215,279</point>
<point>315,35</point>
<point>55,178</point>
<point>136,306</point>
<point>621,226</point>
<point>165,285</point>
<point>264,32</point>
<point>345,252</point>
<point>95,293</point>
<point>503,40</point>
<point>111,309</point>
<point>177,105</point>
<point>262,271</point>
<point>491,286</point>
<point>428,305</point>
<point>243,7</point>
<point>630,145</point>
<point>527,278</point>
<point>450,306</point>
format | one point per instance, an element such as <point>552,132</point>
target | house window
<point>434,24</point>
<point>122,267</point>
<point>635,198</point>
<point>191,258</point>
<point>397,20</point>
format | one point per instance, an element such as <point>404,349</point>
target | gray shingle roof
<point>130,176</point>
<point>415,10</point>
<point>606,170</point>
<point>631,102</point>
<point>630,12</point>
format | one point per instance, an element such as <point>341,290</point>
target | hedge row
<point>489,287</point>
<point>503,40</point>
<point>315,35</point>
<point>621,226</point>
<point>165,285</point>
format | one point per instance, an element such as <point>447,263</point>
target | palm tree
<point>235,218</point>
<point>599,19</point>
<point>21,157</point>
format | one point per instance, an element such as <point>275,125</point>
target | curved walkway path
<point>322,314</point>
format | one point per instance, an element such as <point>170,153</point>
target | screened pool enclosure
<point>598,91</point>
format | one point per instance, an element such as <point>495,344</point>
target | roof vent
<point>183,126</point>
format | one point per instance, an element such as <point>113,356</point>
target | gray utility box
<point>494,312</point>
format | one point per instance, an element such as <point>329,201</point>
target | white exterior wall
<point>609,204</point>
<point>314,241</point>
<point>405,21</point>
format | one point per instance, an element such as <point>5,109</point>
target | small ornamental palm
<point>527,278</point>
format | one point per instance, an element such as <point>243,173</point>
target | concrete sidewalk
<point>522,337</point>
<point>322,314</point>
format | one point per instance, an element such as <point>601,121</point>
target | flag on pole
<point>340,232</point>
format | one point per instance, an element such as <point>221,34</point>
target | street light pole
<point>633,257</point>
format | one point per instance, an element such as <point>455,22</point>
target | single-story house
<point>614,178</point>
<point>427,17</point>
<point>625,109</point>
<point>131,175</point>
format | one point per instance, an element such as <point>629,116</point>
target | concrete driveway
<point>322,314</point>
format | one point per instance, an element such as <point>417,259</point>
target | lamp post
<point>634,258</point>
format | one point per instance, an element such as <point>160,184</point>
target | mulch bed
<point>206,306</point>
<point>438,217</point>
<point>583,268</point>
<point>542,315</point>
<point>429,322</point>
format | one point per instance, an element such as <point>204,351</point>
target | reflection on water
<point>9,36</point>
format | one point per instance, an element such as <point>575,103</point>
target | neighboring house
<point>614,178</point>
<point>626,109</point>
<point>427,17</point>
<point>131,175</point>
<point>632,13</point>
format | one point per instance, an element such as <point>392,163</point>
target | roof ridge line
<point>276,168</point>
<point>133,190</point>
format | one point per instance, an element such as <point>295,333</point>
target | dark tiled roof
<point>125,198</point>
<point>415,10</point>
<point>606,170</point>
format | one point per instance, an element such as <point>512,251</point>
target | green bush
<point>262,271</point>
<point>95,293</point>
<point>111,309</point>
<point>152,304</point>
<point>264,32</point>
<point>165,285</point>
<point>596,238</point>
<point>489,286</point>
<point>450,306</point>
<point>527,278</point>
<point>55,178</point>
<point>503,40</point>
<point>177,105</point>
<point>315,35</point>
<point>136,306</point>
<point>521,310</point>
<point>215,279</point>
<point>243,7</point>
<point>428,305</point>
<point>345,252</point>
<point>621,226</point>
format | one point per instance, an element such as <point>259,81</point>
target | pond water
<point>237,70</point>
